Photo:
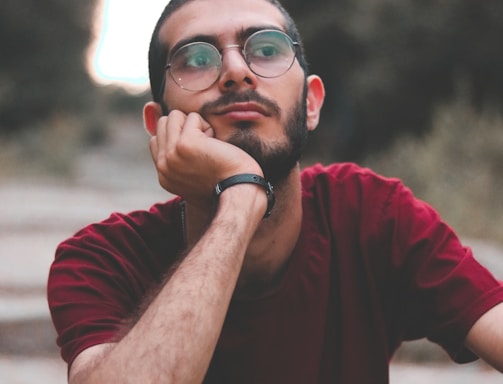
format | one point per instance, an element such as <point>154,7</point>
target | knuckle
<point>183,148</point>
<point>161,164</point>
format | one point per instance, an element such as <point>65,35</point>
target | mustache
<point>247,96</point>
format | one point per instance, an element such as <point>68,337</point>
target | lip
<point>243,111</point>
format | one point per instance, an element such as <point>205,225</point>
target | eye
<point>265,50</point>
<point>199,56</point>
<point>198,60</point>
<point>268,46</point>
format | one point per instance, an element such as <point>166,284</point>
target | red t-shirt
<point>373,267</point>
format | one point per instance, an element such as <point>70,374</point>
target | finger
<point>177,118</point>
<point>207,128</point>
<point>160,138</point>
<point>154,149</point>
<point>168,129</point>
<point>195,120</point>
<point>209,132</point>
<point>173,127</point>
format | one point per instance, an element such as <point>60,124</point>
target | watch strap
<point>248,178</point>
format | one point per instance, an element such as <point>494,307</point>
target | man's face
<point>266,117</point>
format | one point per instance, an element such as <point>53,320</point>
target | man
<point>345,265</point>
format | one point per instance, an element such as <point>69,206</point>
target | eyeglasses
<point>197,66</point>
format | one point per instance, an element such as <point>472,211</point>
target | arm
<point>485,338</point>
<point>174,339</point>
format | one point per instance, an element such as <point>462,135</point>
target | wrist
<point>248,178</point>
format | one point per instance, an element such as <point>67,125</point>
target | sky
<point>118,54</point>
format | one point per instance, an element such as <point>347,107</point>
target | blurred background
<point>414,90</point>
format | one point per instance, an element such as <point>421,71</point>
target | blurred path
<point>35,215</point>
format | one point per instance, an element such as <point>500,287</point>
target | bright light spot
<point>122,35</point>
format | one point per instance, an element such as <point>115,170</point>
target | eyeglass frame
<point>294,44</point>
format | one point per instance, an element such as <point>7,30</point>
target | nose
<point>235,71</point>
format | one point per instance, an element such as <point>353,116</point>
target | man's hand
<point>190,160</point>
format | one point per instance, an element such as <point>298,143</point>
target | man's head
<point>261,99</point>
<point>158,51</point>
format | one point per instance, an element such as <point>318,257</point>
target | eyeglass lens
<point>196,66</point>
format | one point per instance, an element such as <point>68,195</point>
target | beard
<point>277,159</point>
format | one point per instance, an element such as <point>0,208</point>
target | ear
<point>315,98</point>
<point>152,112</point>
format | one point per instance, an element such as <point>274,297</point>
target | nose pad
<point>235,69</point>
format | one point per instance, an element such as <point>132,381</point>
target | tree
<point>387,63</point>
<point>42,69</point>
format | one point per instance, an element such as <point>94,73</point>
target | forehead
<point>221,18</point>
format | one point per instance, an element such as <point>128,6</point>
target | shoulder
<point>349,180</point>
<point>105,269</point>
<point>124,228</point>
<point>342,172</point>
<point>349,193</point>
<point>138,243</point>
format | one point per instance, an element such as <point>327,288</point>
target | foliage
<point>387,63</point>
<point>456,167</point>
<point>42,69</point>
<point>391,68</point>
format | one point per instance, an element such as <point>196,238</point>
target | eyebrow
<point>244,33</point>
<point>241,35</point>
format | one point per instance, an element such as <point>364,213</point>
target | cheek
<point>292,87</point>
<point>185,103</point>
<point>292,99</point>
<point>176,98</point>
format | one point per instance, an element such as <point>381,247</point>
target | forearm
<point>486,337</point>
<point>174,339</point>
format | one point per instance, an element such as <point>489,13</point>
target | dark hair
<point>158,52</point>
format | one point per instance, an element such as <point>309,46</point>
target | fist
<point>190,161</point>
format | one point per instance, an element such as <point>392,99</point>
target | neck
<point>270,248</point>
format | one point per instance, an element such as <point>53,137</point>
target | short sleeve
<point>101,274</point>
<point>443,290</point>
